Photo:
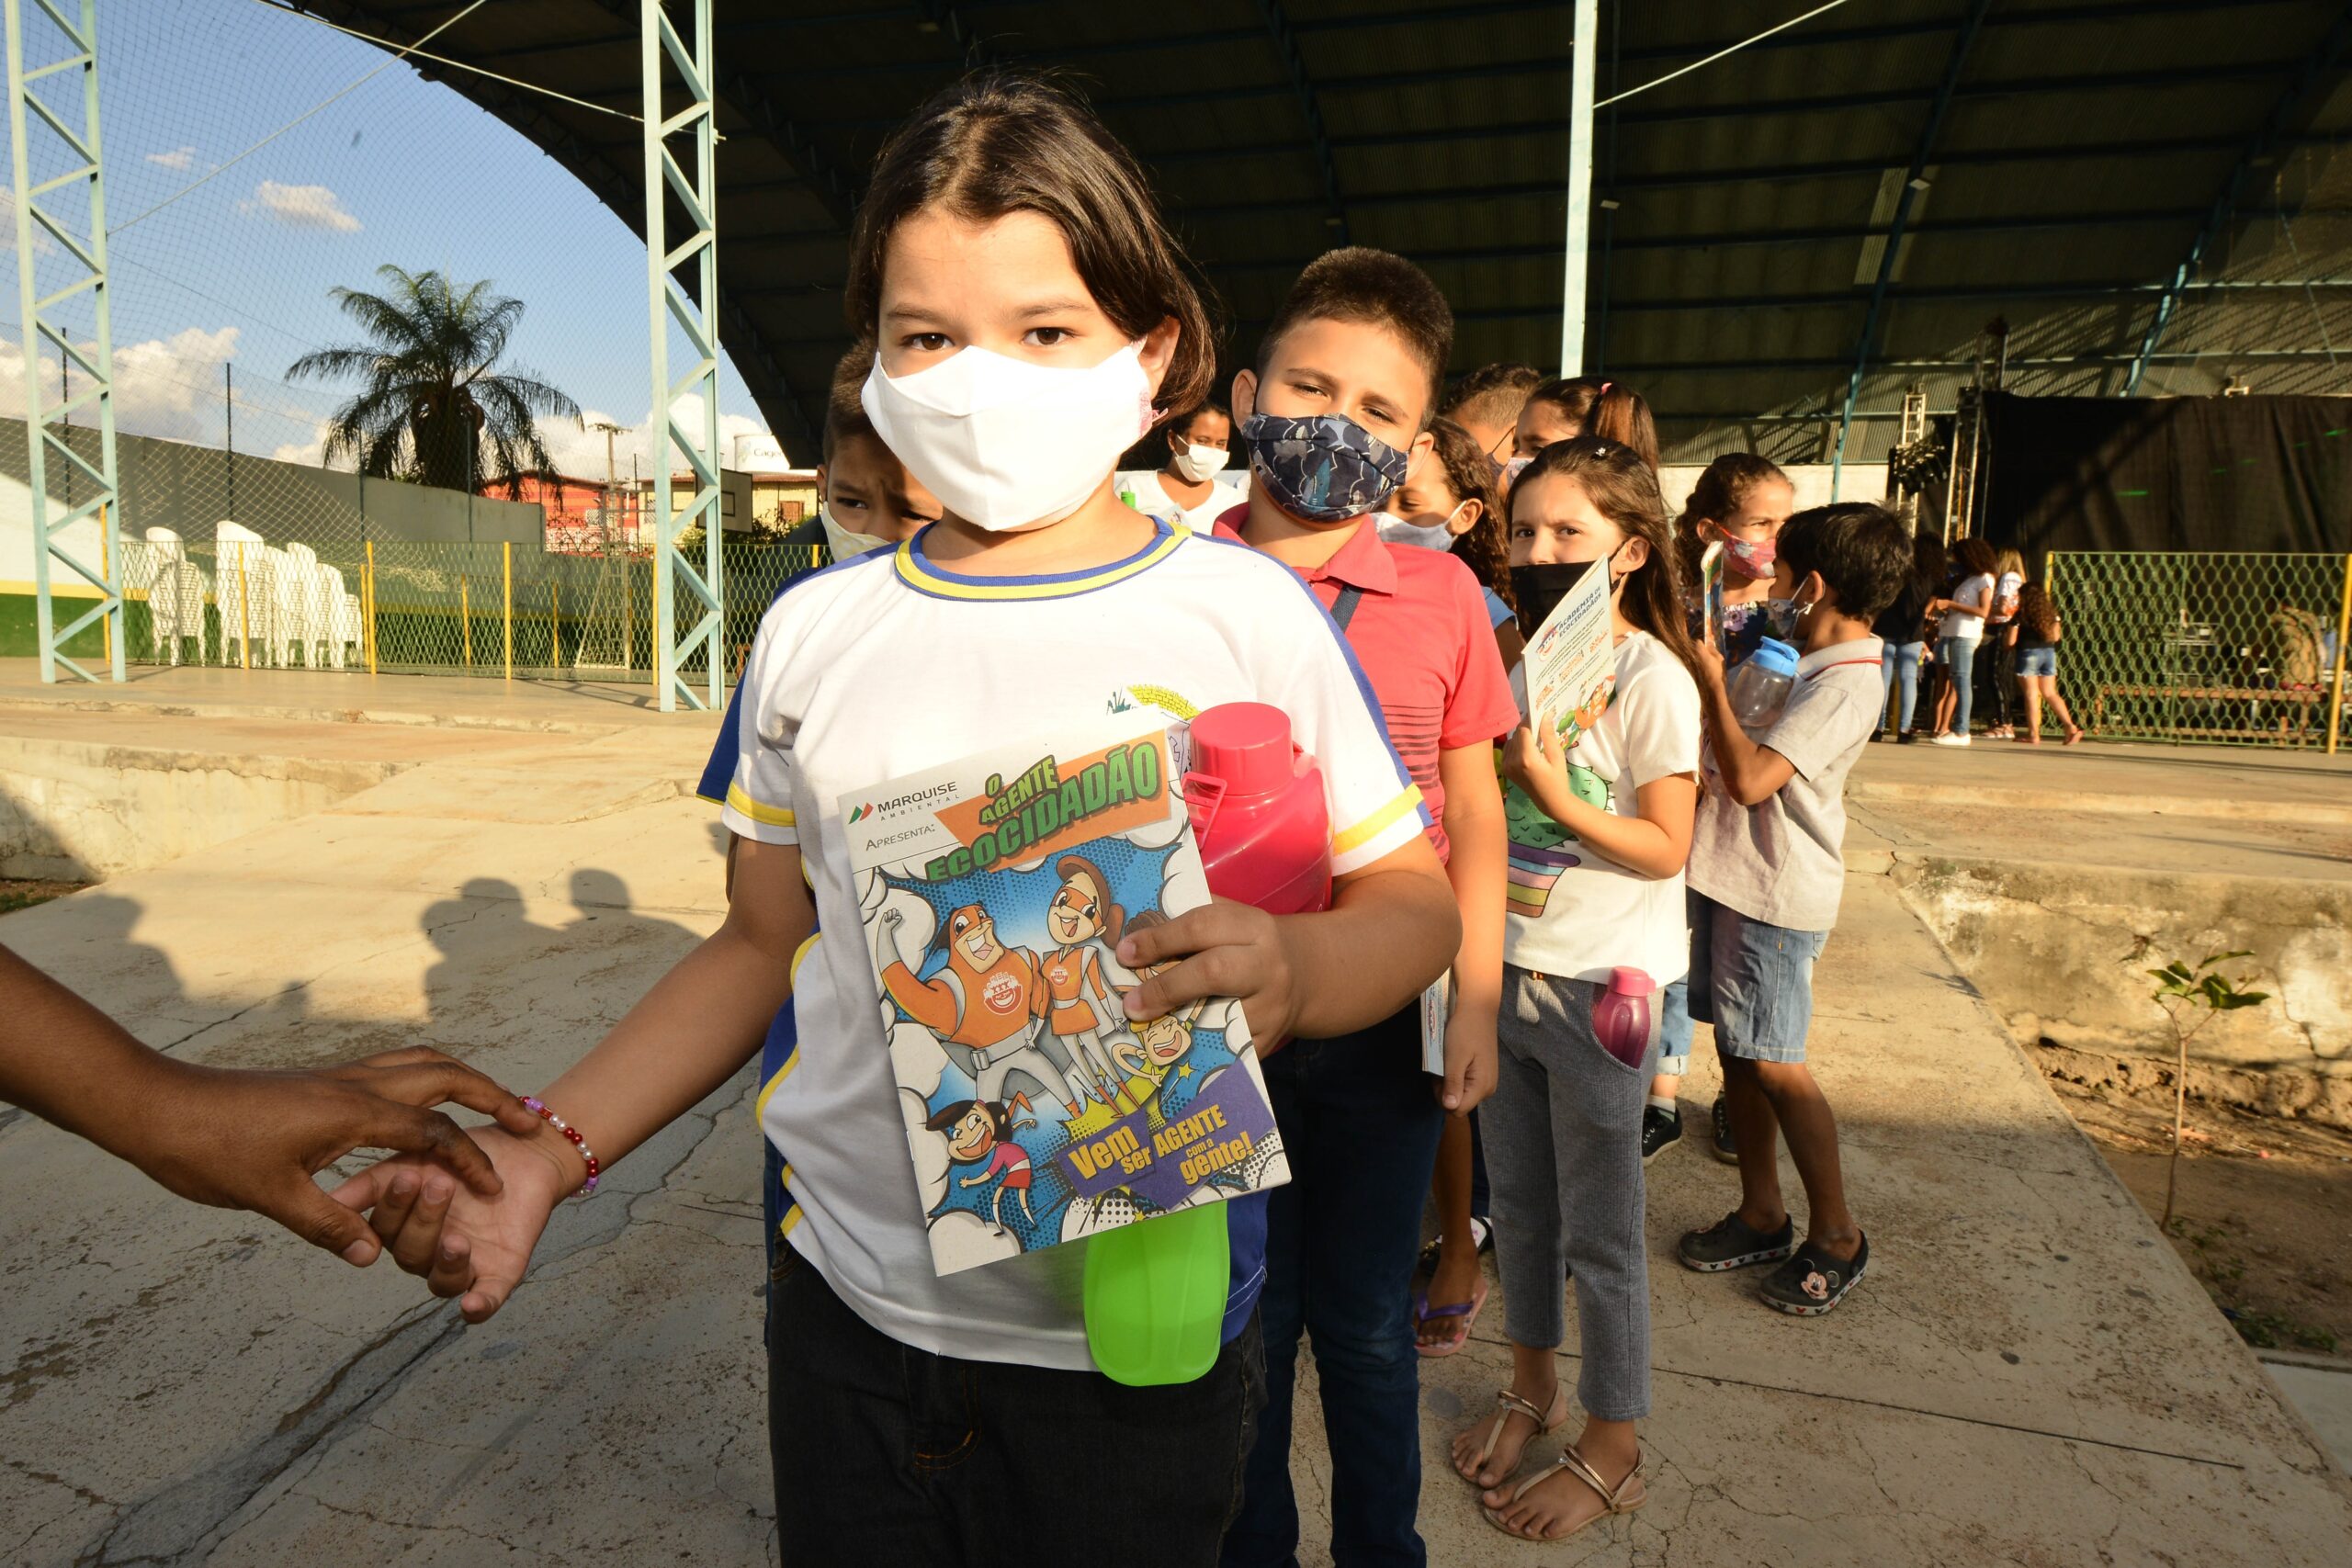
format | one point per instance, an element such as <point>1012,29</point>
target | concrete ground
<point>2029,1375</point>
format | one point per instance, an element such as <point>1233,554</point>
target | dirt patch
<point>2264,1212</point>
<point>21,894</point>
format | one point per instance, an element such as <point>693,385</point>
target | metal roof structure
<point>2150,191</point>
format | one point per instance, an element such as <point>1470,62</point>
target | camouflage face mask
<point>1323,468</point>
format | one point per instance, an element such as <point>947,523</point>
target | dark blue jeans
<point>1361,1126</point>
<point>887,1454</point>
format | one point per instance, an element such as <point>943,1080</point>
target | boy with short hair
<point>1335,410</point>
<point>865,498</point>
<point>1766,870</point>
<point>1486,402</point>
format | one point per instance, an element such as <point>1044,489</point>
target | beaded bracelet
<point>538,1108</point>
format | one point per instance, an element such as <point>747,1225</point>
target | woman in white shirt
<point>1194,487</point>
<point>1962,626</point>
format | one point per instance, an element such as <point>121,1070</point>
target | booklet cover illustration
<point>993,893</point>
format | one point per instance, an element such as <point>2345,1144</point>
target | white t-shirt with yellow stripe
<point>889,665</point>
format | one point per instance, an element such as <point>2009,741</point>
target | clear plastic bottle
<point>1761,686</point>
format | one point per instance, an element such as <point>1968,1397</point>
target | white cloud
<point>580,454</point>
<point>301,206</point>
<point>167,387</point>
<point>177,158</point>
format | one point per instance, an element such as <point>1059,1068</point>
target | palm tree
<point>435,410</point>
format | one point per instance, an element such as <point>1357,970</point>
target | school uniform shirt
<point>1783,862</point>
<point>1151,498</point>
<point>1419,629</point>
<point>1574,912</point>
<point>891,663</point>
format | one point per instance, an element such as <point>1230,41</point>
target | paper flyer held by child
<point>1571,661</point>
<point>993,893</point>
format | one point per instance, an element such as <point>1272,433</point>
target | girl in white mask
<point>1031,314</point>
<point>1194,485</point>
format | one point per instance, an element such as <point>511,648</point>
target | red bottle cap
<point>1247,745</point>
<point>1632,982</point>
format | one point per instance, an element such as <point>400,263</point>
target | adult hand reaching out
<point>466,1243</point>
<point>238,1139</point>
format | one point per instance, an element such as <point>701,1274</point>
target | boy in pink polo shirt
<point>1337,407</point>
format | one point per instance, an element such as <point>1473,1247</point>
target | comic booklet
<point>993,894</point>
<point>1571,663</point>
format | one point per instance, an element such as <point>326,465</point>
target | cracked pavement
<point>2027,1376</point>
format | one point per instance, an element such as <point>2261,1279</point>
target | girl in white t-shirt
<point>1957,635</point>
<point>1599,835</point>
<point>1193,488</point>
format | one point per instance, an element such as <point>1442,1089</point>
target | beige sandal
<point>1613,1502</point>
<point>1545,1425</point>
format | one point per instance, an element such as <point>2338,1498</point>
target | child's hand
<point>1710,665</point>
<point>1469,1062</point>
<point>1524,755</point>
<point>1227,950</point>
<point>464,1245</point>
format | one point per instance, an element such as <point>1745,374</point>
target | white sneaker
<point>1949,738</point>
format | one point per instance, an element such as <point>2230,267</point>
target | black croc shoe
<point>1812,1282</point>
<point>1731,1244</point>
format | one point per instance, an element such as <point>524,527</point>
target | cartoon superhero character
<point>980,1132</point>
<point>984,1008</point>
<point>1082,1011</point>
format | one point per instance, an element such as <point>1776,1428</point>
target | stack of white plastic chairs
<point>345,630</point>
<point>175,590</point>
<point>302,602</point>
<point>245,587</point>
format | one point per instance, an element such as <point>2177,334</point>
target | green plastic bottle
<point>1155,1290</point>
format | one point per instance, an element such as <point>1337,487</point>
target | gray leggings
<point>1564,1150</point>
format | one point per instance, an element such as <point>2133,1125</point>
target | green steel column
<point>84,257</point>
<point>695,316</point>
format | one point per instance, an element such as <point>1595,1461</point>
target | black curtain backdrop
<point>2269,474</point>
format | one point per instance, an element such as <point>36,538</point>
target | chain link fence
<point>2228,648</point>
<point>495,609</point>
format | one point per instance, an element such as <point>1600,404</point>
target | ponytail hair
<point>1485,545</point>
<point>1623,489</point>
<point>1609,410</point>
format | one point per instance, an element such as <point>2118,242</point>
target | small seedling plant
<point>2192,998</point>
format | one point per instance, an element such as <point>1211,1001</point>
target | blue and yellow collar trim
<point>918,571</point>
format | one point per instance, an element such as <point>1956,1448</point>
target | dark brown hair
<point>1861,550</point>
<point>1376,289</point>
<point>1609,409</point>
<point>1720,493</point>
<point>1485,547</point>
<point>1491,393</point>
<point>1182,423</point>
<point>1623,489</point>
<point>1974,557</point>
<point>2037,612</point>
<point>844,409</point>
<point>999,141</point>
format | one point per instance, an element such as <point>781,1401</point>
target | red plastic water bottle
<point>1155,1293</point>
<point>1259,811</point>
<point>1623,1019</point>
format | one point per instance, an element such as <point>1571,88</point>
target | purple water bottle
<point>1623,1019</point>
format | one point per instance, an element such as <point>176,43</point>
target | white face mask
<point>1007,445</point>
<point>844,544</point>
<point>1394,530</point>
<point>1197,463</point>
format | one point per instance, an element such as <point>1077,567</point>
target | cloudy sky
<point>219,258</point>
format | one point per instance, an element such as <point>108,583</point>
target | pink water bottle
<point>1155,1293</point>
<point>1623,1019</point>
<point>1259,811</point>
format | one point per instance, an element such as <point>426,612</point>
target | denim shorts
<point>1752,981</point>
<point>2038,661</point>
